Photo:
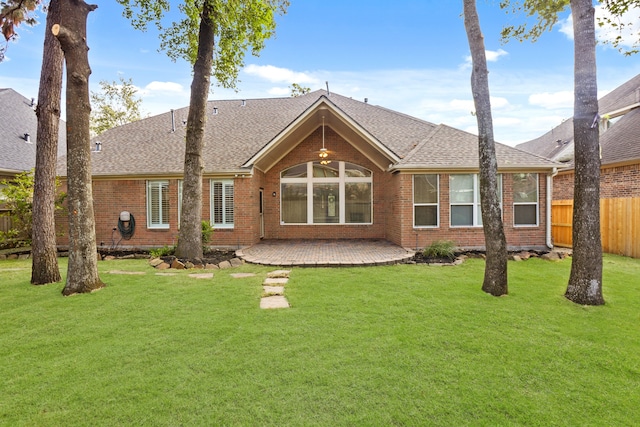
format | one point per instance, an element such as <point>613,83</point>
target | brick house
<point>315,166</point>
<point>619,113</point>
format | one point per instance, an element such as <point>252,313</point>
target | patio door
<point>261,210</point>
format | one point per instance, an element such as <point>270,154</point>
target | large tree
<point>585,281</point>
<point>214,36</point>
<point>495,272</point>
<point>44,252</point>
<point>82,272</point>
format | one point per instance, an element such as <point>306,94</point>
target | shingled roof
<point>17,151</point>
<point>620,142</point>
<point>238,132</point>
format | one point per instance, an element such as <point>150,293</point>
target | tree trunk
<point>82,272</point>
<point>43,248</point>
<point>190,240</point>
<point>585,281</point>
<point>495,272</point>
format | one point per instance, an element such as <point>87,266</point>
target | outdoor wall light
<point>273,194</point>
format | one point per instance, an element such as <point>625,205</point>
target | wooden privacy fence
<point>619,225</point>
<point>5,223</point>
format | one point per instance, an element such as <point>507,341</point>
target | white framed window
<point>464,199</point>
<point>157,204</point>
<point>222,203</point>
<point>525,199</point>
<point>426,207</point>
<point>334,193</point>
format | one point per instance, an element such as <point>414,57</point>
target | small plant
<point>440,249</point>
<point>207,231</point>
<point>163,251</point>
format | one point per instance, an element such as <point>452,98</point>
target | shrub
<point>207,231</point>
<point>163,251</point>
<point>440,249</point>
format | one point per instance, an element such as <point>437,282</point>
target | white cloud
<point>607,33</point>
<point>156,86</point>
<point>278,75</point>
<point>494,55</point>
<point>552,100</point>
<point>490,55</point>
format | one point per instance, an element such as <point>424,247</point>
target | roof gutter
<point>549,198</point>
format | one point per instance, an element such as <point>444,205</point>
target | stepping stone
<point>273,290</point>
<point>277,301</point>
<point>202,275</point>
<point>270,281</point>
<point>165,274</point>
<point>242,275</point>
<point>278,274</point>
<point>127,272</point>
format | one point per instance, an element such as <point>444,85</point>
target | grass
<point>395,345</point>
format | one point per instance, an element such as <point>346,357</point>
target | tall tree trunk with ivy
<point>43,249</point>
<point>495,272</point>
<point>82,272</point>
<point>190,241</point>
<point>585,281</point>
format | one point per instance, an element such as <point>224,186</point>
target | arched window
<point>335,193</point>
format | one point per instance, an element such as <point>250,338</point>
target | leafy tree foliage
<point>18,199</point>
<point>114,105</point>
<point>12,14</point>
<point>298,90</point>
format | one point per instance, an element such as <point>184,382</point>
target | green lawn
<point>397,345</point>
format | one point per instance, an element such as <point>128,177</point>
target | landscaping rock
<point>177,265</point>
<point>551,256</point>
<point>524,255</point>
<point>155,262</point>
<point>224,265</point>
<point>235,262</point>
<point>12,256</point>
<point>211,267</point>
<point>188,265</point>
<point>2,257</point>
<point>109,258</point>
<point>23,256</point>
<point>163,266</point>
<point>515,258</point>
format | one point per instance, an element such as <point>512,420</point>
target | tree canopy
<point>114,105</point>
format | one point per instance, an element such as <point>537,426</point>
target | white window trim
<point>476,201</point>
<point>537,205</point>
<point>180,186</point>
<point>160,184</point>
<point>437,204</point>
<point>341,180</point>
<point>224,224</point>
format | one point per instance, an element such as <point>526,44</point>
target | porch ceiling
<point>311,120</point>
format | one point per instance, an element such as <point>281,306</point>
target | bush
<point>18,199</point>
<point>440,249</point>
<point>207,231</point>
<point>163,251</point>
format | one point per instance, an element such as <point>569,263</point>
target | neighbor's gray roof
<point>621,142</point>
<point>237,132</point>
<point>17,118</point>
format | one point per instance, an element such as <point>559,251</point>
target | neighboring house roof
<point>17,152</point>
<point>257,133</point>
<point>619,137</point>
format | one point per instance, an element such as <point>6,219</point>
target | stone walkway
<point>325,253</point>
<point>273,290</point>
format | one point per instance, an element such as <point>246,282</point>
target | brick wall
<point>615,182</point>
<point>470,237</point>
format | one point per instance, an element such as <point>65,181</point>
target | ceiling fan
<point>323,153</point>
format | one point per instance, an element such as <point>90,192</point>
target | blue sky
<point>408,55</point>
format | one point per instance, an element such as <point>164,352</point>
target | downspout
<point>549,197</point>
